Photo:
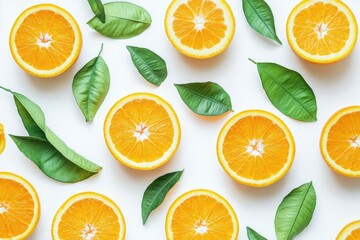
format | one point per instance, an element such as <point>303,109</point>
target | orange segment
<point>255,148</point>
<point>2,139</point>
<point>142,131</point>
<point>350,232</point>
<point>19,207</point>
<point>88,215</point>
<point>45,40</point>
<point>201,214</point>
<point>340,142</point>
<point>322,31</point>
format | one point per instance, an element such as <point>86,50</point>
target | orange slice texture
<point>45,40</point>
<point>350,232</point>
<point>2,139</point>
<point>340,142</point>
<point>19,207</point>
<point>200,28</point>
<point>142,131</point>
<point>322,31</point>
<point>201,214</point>
<point>86,216</point>
<point>255,148</point>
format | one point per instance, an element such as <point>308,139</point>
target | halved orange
<point>255,148</point>
<point>19,207</point>
<point>2,139</point>
<point>340,142</point>
<point>142,131</point>
<point>322,31</point>
<point>201,214</point>
<point>88,215</point>
<point>45,40</point>
<point>350,232</point>
<point>200,28</point>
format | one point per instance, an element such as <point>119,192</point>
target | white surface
<point>335,86</point>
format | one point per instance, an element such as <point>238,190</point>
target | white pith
<point>44,40</point>
<point>255,147</point>
<point>89,232</point>
<point>321,30</point>
<point>201,227</point>
<point>355,142</point>
<point>141,133</point>
<point>3,208</point>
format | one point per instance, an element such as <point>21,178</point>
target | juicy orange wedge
<point>350,232</point>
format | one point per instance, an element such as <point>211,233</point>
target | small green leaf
<point>156,192</point>
<point>260,17</point>
<point>91,85</point>
<point>252,235</point>
<point>208,98</point>
<point>98,9</point>
<point>295,212</point>
<point>288,91</point>
<point>150,65</point>
<point>123,20</point>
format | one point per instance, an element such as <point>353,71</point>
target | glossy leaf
<point>98,9</point>
<point>252,235</point>
<point>156,192</point>
<point>295,212</point>
<point>260,17</point>
<point>91,85</point>
<point>288,91</point>
<point>150,65</point>
<point>123,20</point>
<point>208,98</point>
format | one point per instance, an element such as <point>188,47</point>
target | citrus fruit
<point>350,232</point>
<point>19,207</point>
<point>201,214</point>
<point>88,215</point>
<point>322,31</point>
<point>142,131</point>
<point>255,148</point>
<point>340,142</point>
<point>45,40</point>
<point>2,138</point>
<point>199,28</point>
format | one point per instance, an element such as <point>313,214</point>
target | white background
<point>335,86</point>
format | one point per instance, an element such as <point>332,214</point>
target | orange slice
<point>322,31</point>
<point>19,207</point>
<point>350,232</point>
<point>86,216</point>
<point>45,40</point>
<point>340,142</point>
<point>255,148</point>
<point>200,28</point>
<point>2,139</point>
<point>201,214</point>
<point>142,131</point>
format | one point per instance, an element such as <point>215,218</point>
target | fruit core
<point>44,40</point>
<point>89,232</point>
<point>201,227</point>
<point>321,30</point>
<point>142,132</point>
<point>199,23</point>
<point>3,208</point>
<point>355,142</point>
<point>255,147</point>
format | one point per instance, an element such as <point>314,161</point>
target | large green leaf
<point>98,9</point>
<point>252,235</point>
<point>123,20</point>
<point>288,91</point>
<point>295,212</point>
<point>208,98</point>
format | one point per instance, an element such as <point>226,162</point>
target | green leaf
<point>252,235</point>
<point>156,192</point>
<point>123,20</point>
<point>91,85</point>
<point>295,212</point>
<point>150,65</point>
<point>288,91</point>
<point>98,9</point>
<point>207,99</point>
<point>260,17</point>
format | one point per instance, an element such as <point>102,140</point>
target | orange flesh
<point>213,29</point>
<point>92,213</point>
<point>355,235</point>
<point>257,167</point>
<point>194,211</point>
<point>153,118</point>
<point>321,17</point>
<point>340,143</point>
<point>19,207</point>
<point>33,29</point>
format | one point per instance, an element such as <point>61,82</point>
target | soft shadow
<point>350,184</point>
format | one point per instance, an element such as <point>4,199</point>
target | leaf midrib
<point>128,19</point>
<point>90,87</point>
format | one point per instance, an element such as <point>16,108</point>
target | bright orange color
<point>255,148</point>
<point>340,141</point>
<point>2,139</point>
<point>142,131</point>
<point>322,31</point>
<point>200,28</point>
<point>45,40</point>
<point>350,232</point>
<point>19,207</point>
<point>201,214</point>
<point>88,215</point>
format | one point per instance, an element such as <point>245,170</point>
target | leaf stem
<point>6,89</point>
<point>101,49</point>
<point>252,61</point>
